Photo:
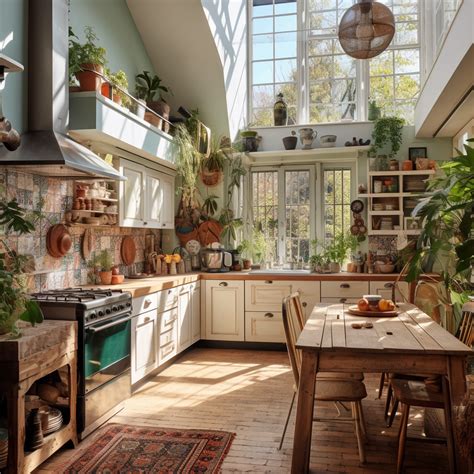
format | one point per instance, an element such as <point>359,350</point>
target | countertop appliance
<point>104,324</point>
<point>215,260</point>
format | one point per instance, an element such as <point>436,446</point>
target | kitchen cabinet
<point>144,345</point>
<point>185,317</point>
<point>343,292</point>
<point>264,326</point>
<point>168,341</point>
<point>196,312</point>
<point>385,288</point>
<point>146,199</point>
<point>224,310</point>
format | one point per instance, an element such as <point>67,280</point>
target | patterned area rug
<point>134,449</point>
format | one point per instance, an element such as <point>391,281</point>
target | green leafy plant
<point>209,205</point>
<point>149,87</point>
<point>86,53</point>
<point>446,241</point>
<point>218,155</point>
<point>387,131</point>
<point>119,80</point>
<point>104,261</point>
<point>338,250</point>
<point>14,301</point>
<point>257,248</point>
<point>319,258</point>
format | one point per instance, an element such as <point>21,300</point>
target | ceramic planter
<point>290,142</point>
<point>105,277</point>
<point>105,90</point>
<point>334,267</point>
<point>211,178</point>
<point>247,264</point>
<point>89,81</point>
<point>162,109</point>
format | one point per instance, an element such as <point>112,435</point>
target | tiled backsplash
<point>57,197</point>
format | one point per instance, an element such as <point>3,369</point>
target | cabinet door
<point>144,354</point>
<point>168,343</point>
<point>184,317</point>
<point>167,202</point>
<point>264,327</point>
<point>224,308</point>
<point>196,314</point>
<point>384,289</point>
<point>266,295</point>
<point>132,195</point>
<point>153,200</point>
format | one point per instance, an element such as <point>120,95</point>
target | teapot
<point>307,137</point>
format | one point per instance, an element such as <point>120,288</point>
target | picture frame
<point>417,152</point>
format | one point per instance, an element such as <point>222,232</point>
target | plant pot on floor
<point>88,80</point>
<point>105,277</point>
<point>162,109</point>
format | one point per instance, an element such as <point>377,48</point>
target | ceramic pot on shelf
<point>307,137</point>
<point>88,80</point>
<point>105,277</point>
<point>290,142</point>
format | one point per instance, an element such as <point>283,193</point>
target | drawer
<point>168,320</point>
<point>167,299</point>
<point>341,289</point>
<point>144,303</point>
<point>168,346</point>
<point>264,326</point>
<point>341,299</point>
<point>384,289</point>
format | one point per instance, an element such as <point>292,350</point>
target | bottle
<point>280,111</point>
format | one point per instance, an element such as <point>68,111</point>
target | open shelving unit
<point>391,197</point>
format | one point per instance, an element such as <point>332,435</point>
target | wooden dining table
<point>409,343</point>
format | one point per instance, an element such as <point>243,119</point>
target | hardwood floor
<point>248,392</point>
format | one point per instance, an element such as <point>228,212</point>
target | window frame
<point>362,74</point>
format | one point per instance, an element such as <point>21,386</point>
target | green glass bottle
<point>280,111</point>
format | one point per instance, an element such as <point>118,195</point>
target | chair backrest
<point>466,328</point>
<point>293,322</point>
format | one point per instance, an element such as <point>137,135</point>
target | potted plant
<point>212,168</point>
<point>104,263</point>
<point>85,60</point>
<point>387,131</point>
<point>319,261</point>
<point>14,301</point>
<point>338,250</point>
<point>140,105</point>
<point>119,83</point>
<point>150,88</point>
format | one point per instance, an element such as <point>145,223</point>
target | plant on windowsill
<point>338,250</point>
<point>86,58</point>
<point>319,261</point>
<point>14,301</point>
<point>257,249</point>
<point>119,80</point>
<point>387,132</point>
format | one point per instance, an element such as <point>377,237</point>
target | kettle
<point>215,260</point>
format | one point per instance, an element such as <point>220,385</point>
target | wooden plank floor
<point>248,392</point>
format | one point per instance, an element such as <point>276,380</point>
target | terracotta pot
<point>163,109</point>
<point>105,277</point>
<point>334,267</point>
<point>247,263</point>
<point>88,81</point>
<point>211,178</point>
<point>105,89</point>
<point>407,165</point>
<point>152,119</point>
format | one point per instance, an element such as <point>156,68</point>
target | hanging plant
<point>387,131</point>
<point>213,166</point>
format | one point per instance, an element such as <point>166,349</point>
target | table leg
<point>16,428</point>
<point>304,413</point>
<point>455,396</point>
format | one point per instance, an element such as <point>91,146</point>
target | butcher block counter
<point>39,351</point>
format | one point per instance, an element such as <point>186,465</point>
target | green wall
<point>13,43</point>
<point>117,33</point>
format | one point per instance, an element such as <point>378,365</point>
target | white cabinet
<point>196,312</point>
<point>264,327</point>
<point>224,310</point>
<point>343,292</point>
<point>144,345</point>
<point>146,199</point>
<point>185,319</point>
<point>168,338</point>
<point>385,288</point>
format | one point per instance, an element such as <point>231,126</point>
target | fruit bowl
<point>354,310</point>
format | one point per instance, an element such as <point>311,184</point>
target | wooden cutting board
<point>88,243</point>
<point>58,241</point>
<point>128,250</point>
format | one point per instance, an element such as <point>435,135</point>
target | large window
<point>295,50</point>
<point>283,206</point>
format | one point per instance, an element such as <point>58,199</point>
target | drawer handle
<point>268,282</point>
<point>147,303</point>
<point>146,319</point>
<point>145,223</point>
<point>223,283</point>
<point>388,285</point>
<point>344,285</point>
<point>170,321</point>
<point>269,315</point>
<point>304,304</point>
<point>342,300</point>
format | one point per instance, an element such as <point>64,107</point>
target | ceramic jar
<point>407,165</point>
<point>422,163</point>
<point>307,137</point>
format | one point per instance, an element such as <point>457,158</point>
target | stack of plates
<point>3,447</point>
<point>51,419</point>
<point>386,223</point>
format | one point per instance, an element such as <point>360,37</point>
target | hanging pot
<point>211,178</point>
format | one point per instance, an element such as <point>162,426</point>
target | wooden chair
<point>330,387</point>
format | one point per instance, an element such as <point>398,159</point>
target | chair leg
<point>358,430</point>
<point>362,421</point>
<point>402,437</point>
<point>393,412</point>
<point>387,401</point>
<point>287,420</point>
<point>449,426</point>
<point>381,384</point>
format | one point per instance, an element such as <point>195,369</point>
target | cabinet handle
<point>147,303</point>
<point>342,300</point>
<point>268,282</point>
<point>269,315</point>
<point>164,224</point>
<point>146,319</point>
<point>170,321</point>
<point>304,304</point>
<point>388,285</point>
<point>344,285</point>
<point>223,283</point>
<point>145,223</point>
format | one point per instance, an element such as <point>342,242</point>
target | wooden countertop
<point>159,283</point>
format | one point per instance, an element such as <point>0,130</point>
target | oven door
<point>106,350</point>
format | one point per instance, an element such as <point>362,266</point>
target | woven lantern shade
<point>366,29</point>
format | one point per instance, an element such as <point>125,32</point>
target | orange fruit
<point>363,305</point>
<point>384,305</point>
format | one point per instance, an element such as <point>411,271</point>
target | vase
<point>307,136</point>
<point>280,111</point>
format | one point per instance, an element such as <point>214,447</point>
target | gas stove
<point>85,305</point>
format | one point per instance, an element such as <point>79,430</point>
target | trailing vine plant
<point>387,131</point>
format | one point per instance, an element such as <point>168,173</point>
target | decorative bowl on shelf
<point>327,141</point>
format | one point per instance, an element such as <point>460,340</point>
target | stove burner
<point>75,294</point>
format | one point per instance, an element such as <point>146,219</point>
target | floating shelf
<point>401,173</point>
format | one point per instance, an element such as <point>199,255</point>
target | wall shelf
<point>401,173</point>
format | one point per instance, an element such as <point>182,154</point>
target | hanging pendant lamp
<point>366,29</point>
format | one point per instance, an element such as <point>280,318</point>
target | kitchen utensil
<point>372,314</point>
<point>88,242</point>
<point>386,267</point>
<point>128,250</point>
<point>92,220</point>
<point>215,260</point>
<point>58,241</point>
<point>290,142</point>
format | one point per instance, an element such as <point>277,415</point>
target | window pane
<point>320,92</point>
<point>263,96</point>
<point>285,70</point>
<point>406,33</point>
<point>320,68</point>
<point>344,66</point>
<point>381,88</point>
<point>382,64</point>
<point>288,6</point>
<point>262,25</point>
<point>262,10</point>
<point>407,60</point>
<point>263,72</point>
<point>262,117</point>
<point>407,86</point>
<point>285,45</point>
<point>285,23</point>
<point>289,92</point>
<point>262,47</point>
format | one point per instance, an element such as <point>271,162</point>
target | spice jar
<point>393,164</point>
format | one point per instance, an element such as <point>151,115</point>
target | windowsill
<point>301,125</point>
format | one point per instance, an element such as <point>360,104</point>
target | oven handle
<point>109,325</point>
